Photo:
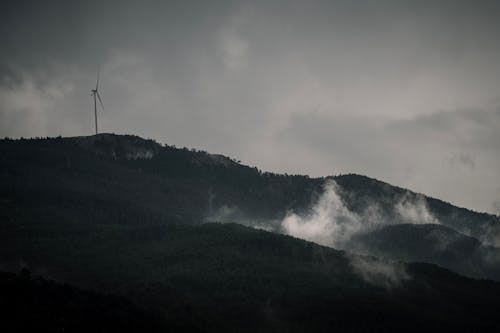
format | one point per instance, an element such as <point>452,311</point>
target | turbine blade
<point>97,82</point>
<point>100,100</point>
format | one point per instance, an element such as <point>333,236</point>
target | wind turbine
<point>97,96</point>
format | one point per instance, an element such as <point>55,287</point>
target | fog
<point>331,223</point>
<point>379,272</point>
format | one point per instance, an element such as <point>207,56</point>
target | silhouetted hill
<point>431,243</point>
<point>227,277</point>
<point>90,178</point>
<point>362,192</point>
<point>127,216</point>
<point>127,180</point>
<point>37,305</point>
<point>168,184</point>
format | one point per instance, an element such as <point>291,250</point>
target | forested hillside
<point>218,277</point>
<point>126,216</point>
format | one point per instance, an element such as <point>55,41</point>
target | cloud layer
<point>403,91</point>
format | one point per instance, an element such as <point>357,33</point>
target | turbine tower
<point>97,96</point>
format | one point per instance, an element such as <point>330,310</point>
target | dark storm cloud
<point>312,87</point>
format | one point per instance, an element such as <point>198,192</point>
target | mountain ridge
<point>102,143</point>
<point>127,216</point>
<point>131,180</point>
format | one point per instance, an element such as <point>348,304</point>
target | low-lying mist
<point>332,223</point>
<point>402,228</point>
<point>379,272</point>
<point>329,221</point>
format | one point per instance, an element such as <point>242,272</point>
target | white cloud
<point>31,107</point>
<point>378,272</point>
<point>331,223</point>
<point>415,211</point>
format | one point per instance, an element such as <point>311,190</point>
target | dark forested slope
<point>34,304</point>
<point>432,243</point>
<point>127,216</point>
<point>227,277</point>
<point>107,174</point>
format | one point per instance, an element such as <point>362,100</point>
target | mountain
<point>227,277</point>
<point>127,180</point>
<point>31,304</point>
<point>127,216</point>
<point>430,243</point>
<point>93,176</point>
<point>172,185</point>
<point>363,192</point>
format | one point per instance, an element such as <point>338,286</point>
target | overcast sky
<point>404,91</point>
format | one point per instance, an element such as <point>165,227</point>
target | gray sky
<point>404,91</point>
